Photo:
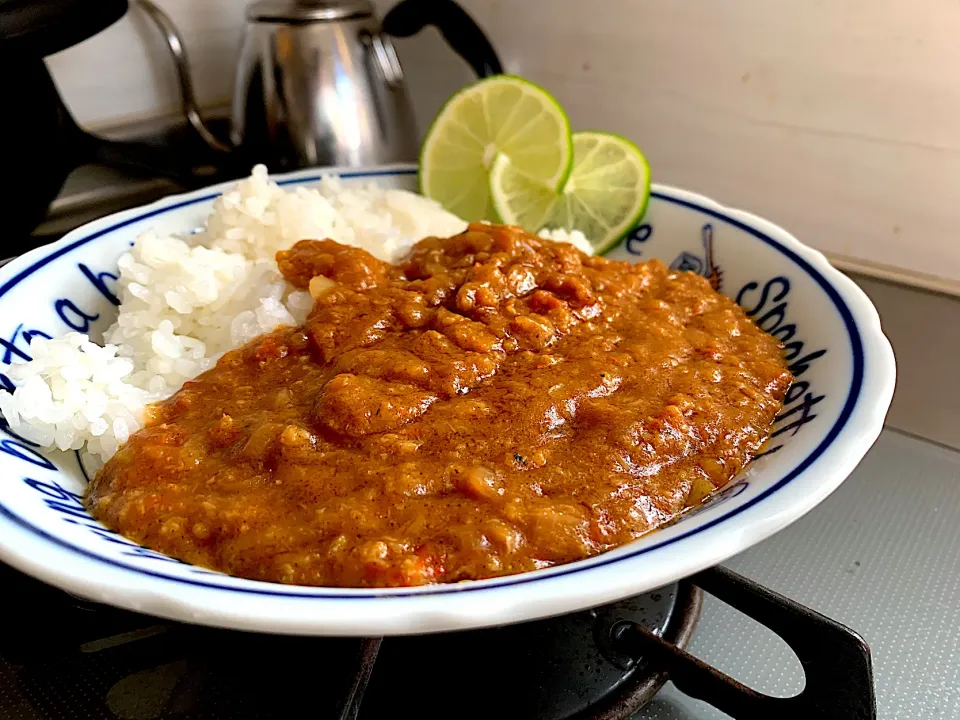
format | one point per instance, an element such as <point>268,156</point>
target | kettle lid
<point>308,10</point>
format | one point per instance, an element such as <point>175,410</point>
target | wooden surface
<point>834,118</point>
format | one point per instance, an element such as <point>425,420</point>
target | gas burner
<point>69,658</point>
<point>564,667</point>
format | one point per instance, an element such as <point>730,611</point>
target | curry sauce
<point>497,403</point>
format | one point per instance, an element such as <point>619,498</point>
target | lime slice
<point>502,114</point>
<point>604,197</point>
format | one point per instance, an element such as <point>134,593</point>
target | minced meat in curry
<point>497,403</point>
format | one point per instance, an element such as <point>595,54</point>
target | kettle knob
<point>304,11</point>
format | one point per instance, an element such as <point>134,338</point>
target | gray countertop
<point>881,555</point>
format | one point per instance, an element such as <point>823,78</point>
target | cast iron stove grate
<point>64,658</point>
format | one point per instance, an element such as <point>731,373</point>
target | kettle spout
<point>179,53</point>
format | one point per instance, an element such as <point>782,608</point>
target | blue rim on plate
<point>856,385</point>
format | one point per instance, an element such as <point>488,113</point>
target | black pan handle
<point>836,661</point>
<point>37,28</point>
<point>462,34</point>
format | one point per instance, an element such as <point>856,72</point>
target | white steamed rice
<point>187,300</point>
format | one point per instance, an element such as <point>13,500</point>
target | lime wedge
<point>502,114</point>
<point>604,197</point>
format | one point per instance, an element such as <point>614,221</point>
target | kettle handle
<point>463,35</point>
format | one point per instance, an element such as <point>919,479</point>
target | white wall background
<point>839,119</point>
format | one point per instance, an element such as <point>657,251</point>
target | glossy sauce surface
<point>498,403</point>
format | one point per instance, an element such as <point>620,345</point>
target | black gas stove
<point>64,658</point>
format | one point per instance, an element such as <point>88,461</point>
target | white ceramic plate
<point>834,412</point>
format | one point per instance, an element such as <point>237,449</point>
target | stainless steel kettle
<point>318,82</point>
